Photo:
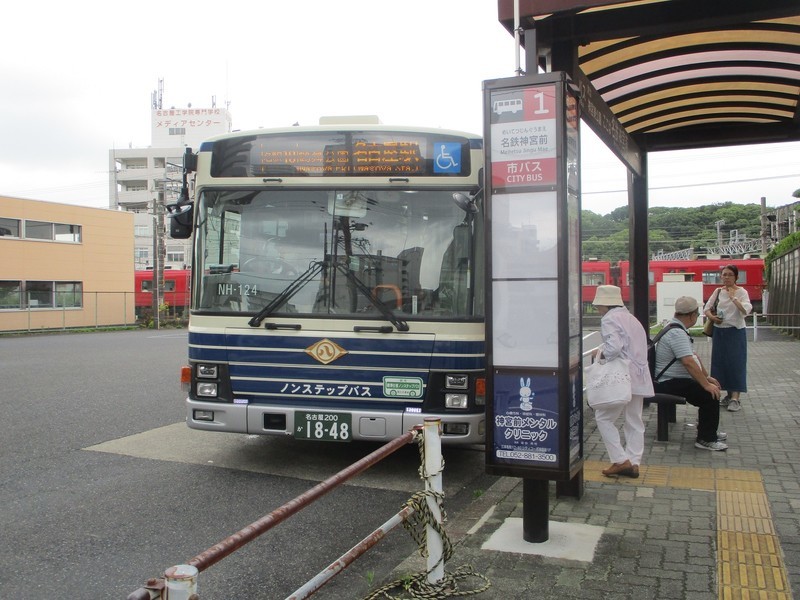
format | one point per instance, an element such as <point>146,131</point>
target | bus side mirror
<point>469,204</point>
<point>180,216</point>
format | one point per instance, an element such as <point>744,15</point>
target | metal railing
<point>95,310</point>
<point>180,582</point>
<point>792,317</point>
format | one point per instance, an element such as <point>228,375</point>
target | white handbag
<point>608,381</point>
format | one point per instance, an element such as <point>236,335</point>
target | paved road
<point>102,486</point>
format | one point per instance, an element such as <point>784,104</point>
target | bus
<point>338,282</point>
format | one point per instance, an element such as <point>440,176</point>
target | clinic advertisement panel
<point>525,419</point>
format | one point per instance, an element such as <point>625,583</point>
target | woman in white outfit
<point>623,337</point>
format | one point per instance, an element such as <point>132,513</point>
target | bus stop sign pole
<point>533,319</point>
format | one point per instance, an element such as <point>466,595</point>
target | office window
<point>10,295</point>
<point>175,253</point>
<point>9,227</point>
<point>60,232</point>
<point>69,294</point>
<point>141,230</point>
<point>39,294</point>
<point>141,254</point>
<point>54,294</point>
<point>67,233</point>
<point>38,230</point>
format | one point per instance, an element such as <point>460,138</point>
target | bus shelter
<point>658,75</point>
<point>646,76</point>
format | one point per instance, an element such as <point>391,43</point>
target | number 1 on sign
<point>541,110</point>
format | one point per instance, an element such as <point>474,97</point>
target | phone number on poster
<point>518,454</point>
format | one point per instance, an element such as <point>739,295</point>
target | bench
<point>666,412</point>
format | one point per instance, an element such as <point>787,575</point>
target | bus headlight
<point>207,371</point>
<point>455,401</point>
<point>455,381</point>
<point>207,389</point>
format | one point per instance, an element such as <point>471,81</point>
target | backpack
<point>651,352</point>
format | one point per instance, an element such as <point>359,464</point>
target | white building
<point>143,178</point>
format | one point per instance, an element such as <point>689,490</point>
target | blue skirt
<point>729,358</point>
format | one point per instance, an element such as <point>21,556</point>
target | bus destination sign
<point>342,154</point>
<point>362,158</point>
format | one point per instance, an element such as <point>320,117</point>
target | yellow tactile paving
<point>730,485</point>
<point>744,594</point>
<point>737,475</point>
<point>745,512</point>
<point>749,558</point>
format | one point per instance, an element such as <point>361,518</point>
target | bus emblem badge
<point>325,351</point>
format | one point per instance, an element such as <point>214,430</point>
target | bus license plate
<point>322,426</point>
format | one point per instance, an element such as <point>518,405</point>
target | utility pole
<point>719,224</point>
<point>158,258</point>
<point>764,234</point>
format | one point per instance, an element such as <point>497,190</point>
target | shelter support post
<point>639,252</point>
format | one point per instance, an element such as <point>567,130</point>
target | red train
<point>751,276</point>
<point>176,291</point>
<point>595,272</point>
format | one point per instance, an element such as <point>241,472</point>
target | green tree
<point>605,237</point>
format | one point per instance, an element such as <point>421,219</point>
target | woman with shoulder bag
<point>623,338</point>
<point>729,347</point>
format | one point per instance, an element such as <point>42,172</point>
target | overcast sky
<point>77,80</point>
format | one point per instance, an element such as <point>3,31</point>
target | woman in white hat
<point>623,337</point>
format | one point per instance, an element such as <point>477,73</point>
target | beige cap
<point>685,305</point>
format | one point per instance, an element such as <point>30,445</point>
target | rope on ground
<point>417,585</point>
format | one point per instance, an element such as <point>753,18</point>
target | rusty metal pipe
<point>150,591</point>
<point>222,549</point>
<point>346,559</point>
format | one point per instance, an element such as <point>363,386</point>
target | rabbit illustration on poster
<point>525,394</point>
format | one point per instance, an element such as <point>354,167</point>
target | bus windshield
<point>338,251</point>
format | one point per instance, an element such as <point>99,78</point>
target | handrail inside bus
<point>388,286</point>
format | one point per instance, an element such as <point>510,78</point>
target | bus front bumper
<point>375,425</point>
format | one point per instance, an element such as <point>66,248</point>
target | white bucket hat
<point>608,295</point>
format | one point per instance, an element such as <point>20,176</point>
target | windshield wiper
<point>314,270</point>
<point>289,291</point>
<point>387,313</point>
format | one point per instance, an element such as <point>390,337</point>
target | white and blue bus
<point>338,282</point>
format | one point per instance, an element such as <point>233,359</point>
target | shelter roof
<point>681,73</point>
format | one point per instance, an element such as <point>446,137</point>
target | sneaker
<point>721,436</point>
<point>725,401</point>
<point>734,406</point>
<point>715,445</point>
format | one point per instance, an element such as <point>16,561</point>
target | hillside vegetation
<point>605,237</point>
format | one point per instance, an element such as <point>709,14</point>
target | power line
<point>690,185</point>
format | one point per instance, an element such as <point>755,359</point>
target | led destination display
<point>342,154</point>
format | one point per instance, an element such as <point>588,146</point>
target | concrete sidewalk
<point>695,525</point>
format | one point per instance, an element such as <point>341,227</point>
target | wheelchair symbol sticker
<point>447,157</point>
